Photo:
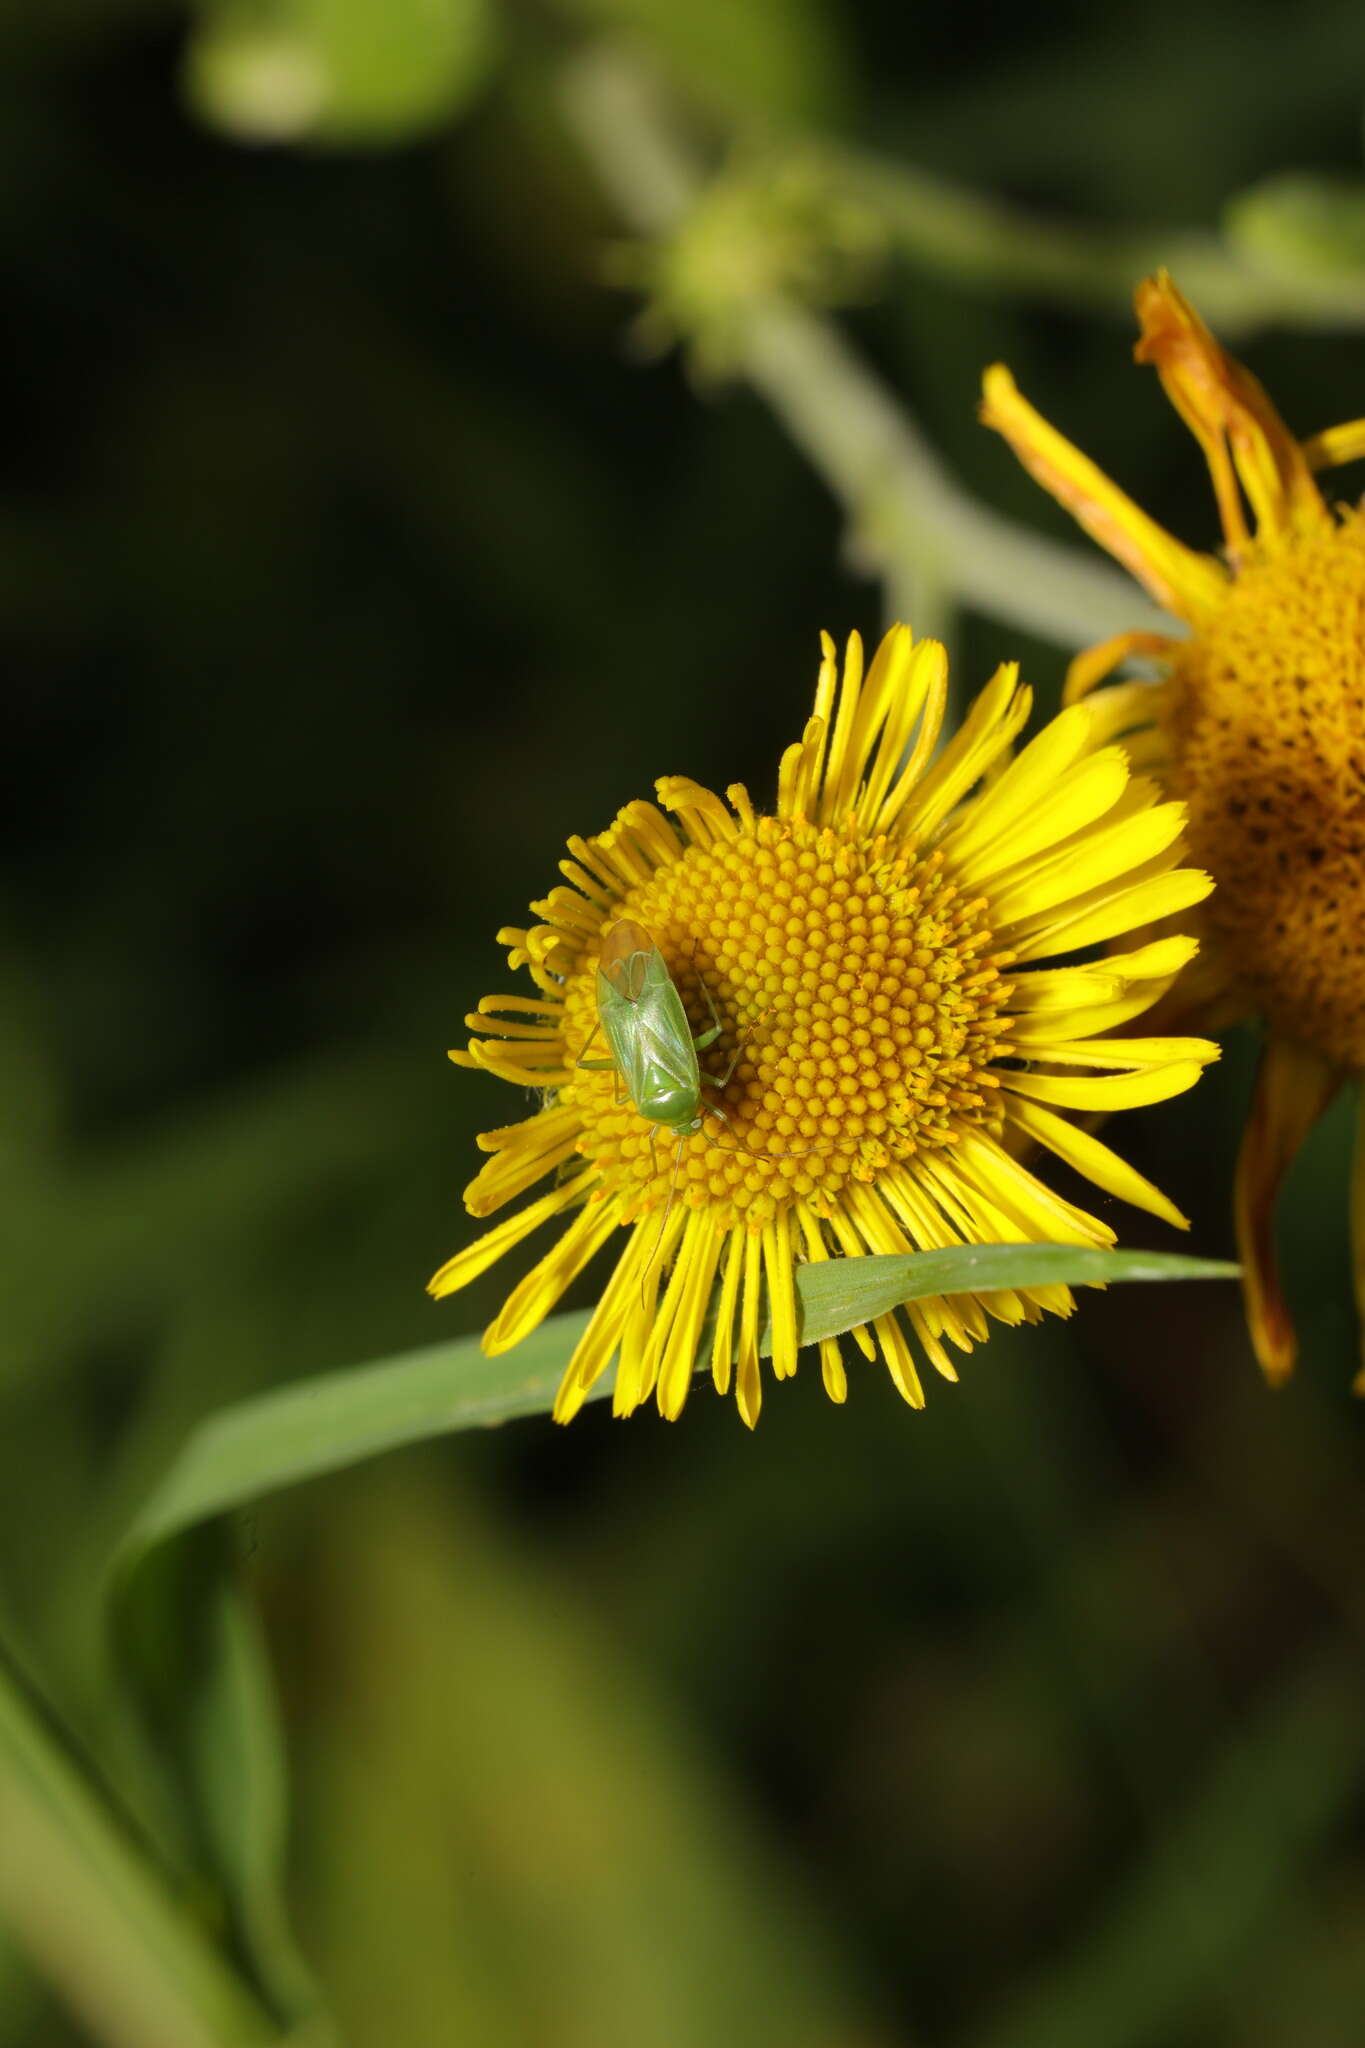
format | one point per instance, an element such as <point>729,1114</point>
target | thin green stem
<point>968,235</point>
<point>909,521</point>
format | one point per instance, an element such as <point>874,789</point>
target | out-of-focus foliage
<point>336,71</point>
<point>347,564</point>
<point>1309,231</point>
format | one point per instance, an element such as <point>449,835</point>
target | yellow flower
<point>1258,726</point>
<point>875,950</point>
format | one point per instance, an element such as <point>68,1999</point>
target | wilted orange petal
<point>1293,1088</point>
<point>1226,408</point>
<point>1185,582</point>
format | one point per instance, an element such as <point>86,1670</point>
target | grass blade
<point>93,1911</point>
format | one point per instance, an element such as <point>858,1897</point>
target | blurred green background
<point>354,551</point>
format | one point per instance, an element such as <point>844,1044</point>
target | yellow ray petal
<point>1089,1157</point>
<point>531,1300</point>
<point>521,1158</point>
<point>843,766</point>
<point>1042,811</point>
<point>932,659</point>
<point>1188,583</point>
<point>995,720</point>
<point>1097,662</point>
<point>748,1382</point>
<point>723,1340</point>
<point>485,1251</point>
<point>1038,990</point>
<point>1044,1000</point>
<point>700,1251</point>
<point>1031,1035</point>
<point>899,1359</point>
<point>1293,1088</point>
<point>1157,961</point>
<point>777,1263</point>
<point>1054,750</point>
<point>1041,1214</point>
<point>1119,910</point>
<point>1107,1091</point>
<point>1335,445</point>
<point>526,1063</point>
<point>831,1363</point>
<point>595,1348</point>
<point>1127,1052</point>
<point>637,1367</point>
<point>1037,889</point>
<point>1041,991</point>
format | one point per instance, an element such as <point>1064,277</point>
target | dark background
<point>348,561</point>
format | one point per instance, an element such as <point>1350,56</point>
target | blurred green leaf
<point>783,59</point>
<point>189,1647</point>
<point>336,71</point>
<point>79,1890</point>
<point>562,1857</point>
<point>1307,230</point>
<point>1189,1915</point>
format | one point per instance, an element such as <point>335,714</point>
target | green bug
<point>654,1049</point>
<point>652,1044</point>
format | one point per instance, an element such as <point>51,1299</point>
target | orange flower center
<point>1268,750</point>
<point>851,980</point>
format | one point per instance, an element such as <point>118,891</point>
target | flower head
<point>874,952</point>
<point>1258,726</point>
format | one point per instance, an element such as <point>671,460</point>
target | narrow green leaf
<point>188,1645</point>
<point>840,1293</point>
<point>338,1418</point>
<point>95,1914</point>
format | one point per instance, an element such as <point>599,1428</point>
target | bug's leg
<point>593,1066</point>
<point>723,1080</point>
<point>702,1039</point>
<point>619,1092</point>
<point>712,1109</point>
<point>618,1095</point>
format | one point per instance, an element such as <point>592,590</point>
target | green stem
<point>967,235</point>
<point>908,519</point>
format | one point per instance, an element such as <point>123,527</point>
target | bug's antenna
<point>742,1151</point>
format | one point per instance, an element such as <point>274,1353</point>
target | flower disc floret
<point>1266,732</point>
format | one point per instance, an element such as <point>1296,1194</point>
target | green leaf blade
<point>300,1432</point>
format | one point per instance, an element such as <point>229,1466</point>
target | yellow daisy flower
<point>875,949</point>
<point>1258,725</point>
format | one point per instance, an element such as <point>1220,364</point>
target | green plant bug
<point>653,1047</point>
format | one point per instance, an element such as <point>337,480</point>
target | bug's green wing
<point>647,1030</point>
